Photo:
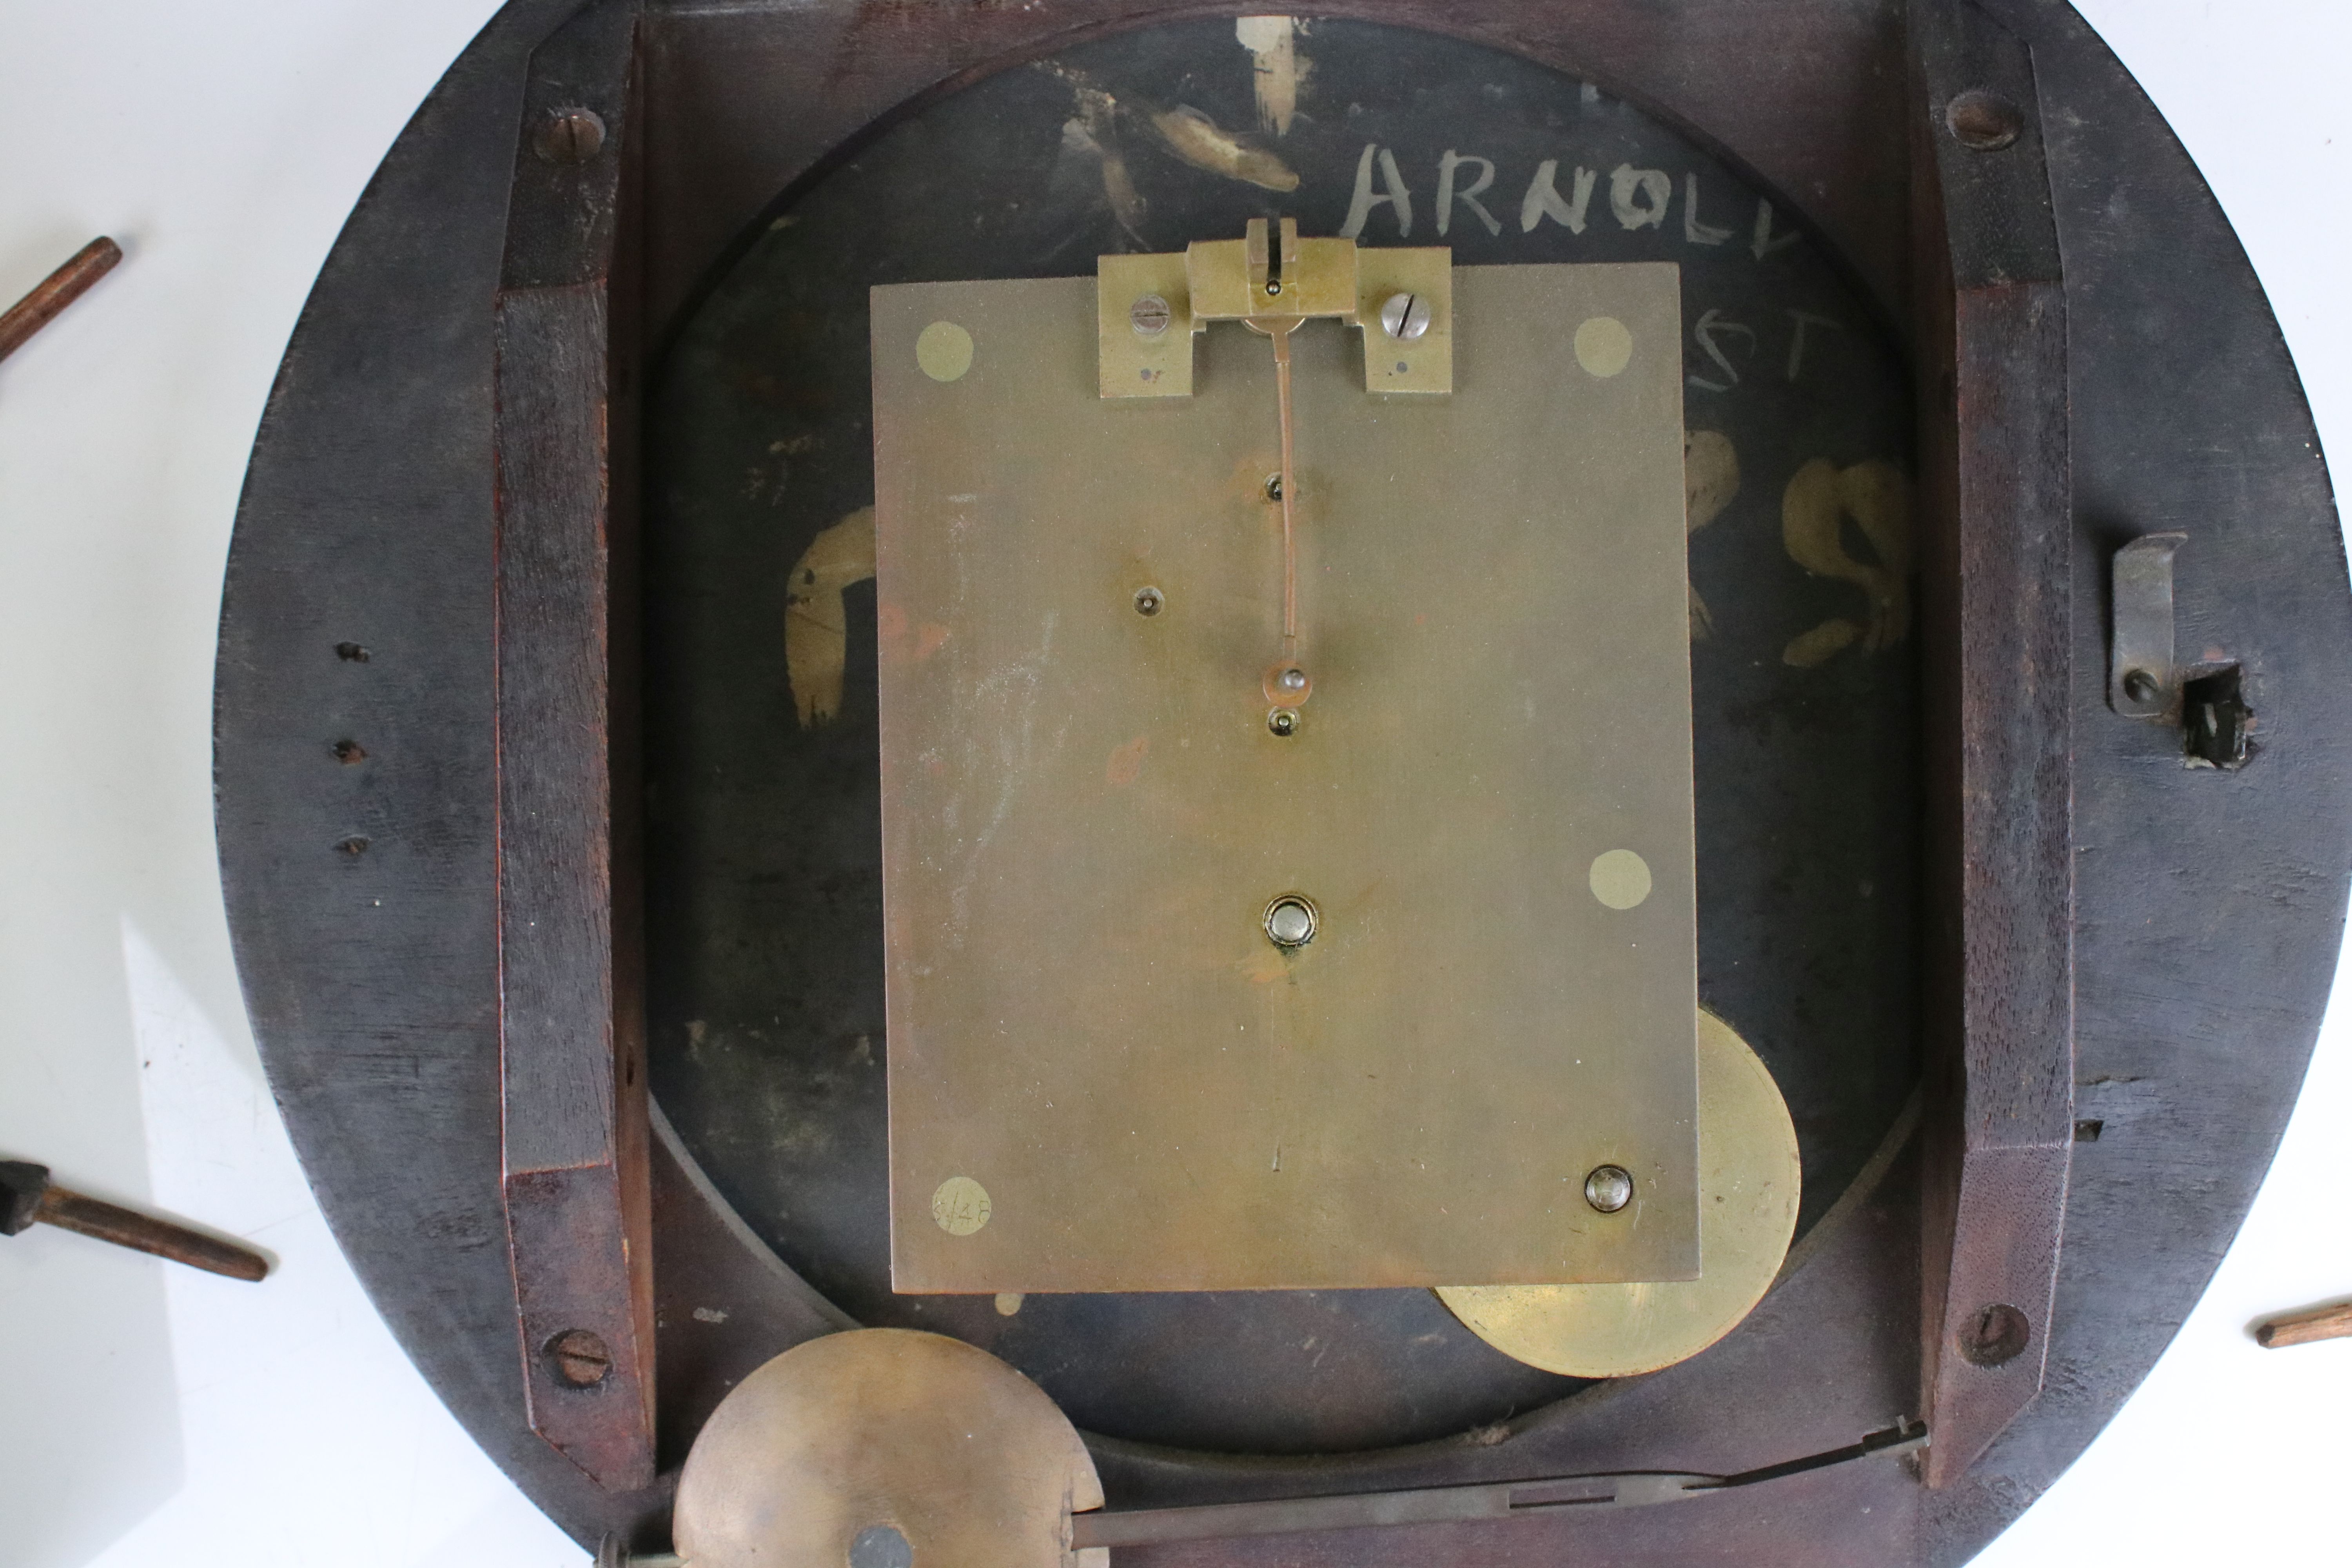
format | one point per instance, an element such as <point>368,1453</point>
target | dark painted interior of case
<point>766,920</point>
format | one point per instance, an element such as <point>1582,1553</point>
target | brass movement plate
<point>1749,1182</point>
<point>1103,1074</point>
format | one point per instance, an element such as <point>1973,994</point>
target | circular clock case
<point>795,155</point>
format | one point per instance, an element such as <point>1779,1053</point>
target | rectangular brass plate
<point>1103,1076</point>
<point>1134,365</point>
<point>1426,362</point>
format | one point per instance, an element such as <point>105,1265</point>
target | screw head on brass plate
<point>580,1358</point>
<point>1148,600</point>
<point>1282,720</point>
<point>1290,921</point>
<point>1405,316</point>
<point>1749,1183</point>
<point>1149,316</point>
<point>1286,685</point>
<point>1609,1188</point>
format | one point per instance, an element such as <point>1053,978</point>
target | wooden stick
<point>55,292</point>
<point>141,1233</point>
<point>2302,1327</point>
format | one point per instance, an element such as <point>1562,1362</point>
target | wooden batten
<point>1997,581</point>
<point>570,1007</point>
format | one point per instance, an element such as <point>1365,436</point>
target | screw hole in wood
<point>1996,1336</point>
<point>1983,121</point>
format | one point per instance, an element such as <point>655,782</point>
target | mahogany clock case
<point>792,156</point>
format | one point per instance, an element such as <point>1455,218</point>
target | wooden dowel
<point>55,292</point>
<point>2302,1327</point>
<point>89,1216</point>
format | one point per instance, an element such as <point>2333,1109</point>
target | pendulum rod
<point>1289,492</point>
<point>1287,683</point>
<point>1150,308</point>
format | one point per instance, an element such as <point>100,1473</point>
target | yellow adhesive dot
<point>1604,346</point>
<point>1008,1302</point>
<point>961,1206</point>
<point>944,351</point>
<point>1619,879</point>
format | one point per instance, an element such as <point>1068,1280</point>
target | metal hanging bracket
<point>2141,680</point>
<point>1150,306</point>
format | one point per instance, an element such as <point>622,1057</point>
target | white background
<point>160,1416</point>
